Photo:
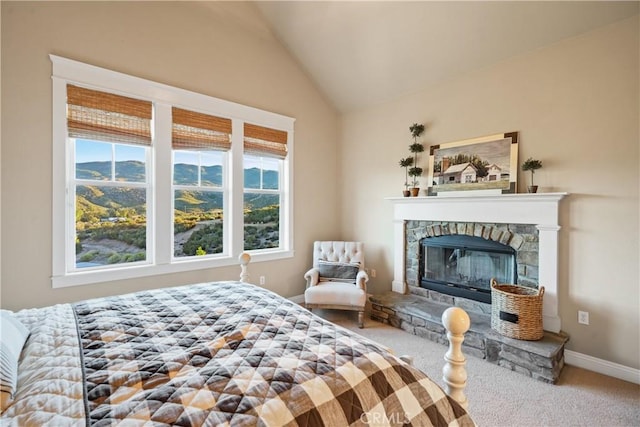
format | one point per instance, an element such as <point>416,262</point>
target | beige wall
<point>575,105</point>
<point>219,49</point>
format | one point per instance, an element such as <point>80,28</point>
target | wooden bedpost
<point>244,259</point>
<point>456,321</point>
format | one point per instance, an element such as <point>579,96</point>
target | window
<point>151,179</point>
<point>109,138</point>
<point>199,143</point>
<point>264,153</point>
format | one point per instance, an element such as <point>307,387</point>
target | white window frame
<point>73,182</point>
<point>163,97</point>
<point>282,228</point>
<point>225,190</point>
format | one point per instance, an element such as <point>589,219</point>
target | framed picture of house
<point>487,164</point>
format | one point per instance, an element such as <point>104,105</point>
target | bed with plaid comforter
<point>224,353</point>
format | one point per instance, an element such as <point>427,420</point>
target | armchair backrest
<point>337,251</point>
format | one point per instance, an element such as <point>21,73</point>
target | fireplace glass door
<point>464,265</point>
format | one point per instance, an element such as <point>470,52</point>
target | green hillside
<point>202,201</point>
<point>131,170</point>
<point>183,174</point>
<point>111,221</point>
<point>113,197</point>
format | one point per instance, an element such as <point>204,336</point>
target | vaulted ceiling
<point>362,53</point>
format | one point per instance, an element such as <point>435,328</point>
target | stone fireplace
<point>464,238</point>
<point>528,223</point>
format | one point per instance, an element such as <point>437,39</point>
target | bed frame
<point>454,319</point>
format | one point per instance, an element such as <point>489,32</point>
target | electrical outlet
<point>373,272</point>
<point>583,317</point>
<point>262,280</point>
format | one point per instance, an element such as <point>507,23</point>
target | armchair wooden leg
<point>361,319</point>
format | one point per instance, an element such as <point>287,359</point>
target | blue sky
<point>191,158</point>
<point>92,151</point>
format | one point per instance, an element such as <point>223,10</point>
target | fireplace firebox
<point>462,265</point>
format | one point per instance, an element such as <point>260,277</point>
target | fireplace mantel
<point>540,209</point>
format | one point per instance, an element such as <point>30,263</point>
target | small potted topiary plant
<point>416,130</point>
<point>406,163</point>
<point>531,165</point>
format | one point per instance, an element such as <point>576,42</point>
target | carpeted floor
<point>499,397</point>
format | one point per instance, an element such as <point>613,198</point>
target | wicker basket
<point>516,311</point>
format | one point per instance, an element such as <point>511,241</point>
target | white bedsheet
<point>50,387</point>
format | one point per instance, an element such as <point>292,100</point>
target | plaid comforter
<point>229,353</point>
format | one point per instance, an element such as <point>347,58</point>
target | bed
<point>222,353</point>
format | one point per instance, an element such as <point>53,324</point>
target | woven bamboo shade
<point>263,141</point>
<point>198,131</point>
<point>97,115</point>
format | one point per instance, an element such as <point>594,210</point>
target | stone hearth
<point>542,360</point>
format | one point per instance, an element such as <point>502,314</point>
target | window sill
<point>133,272</point>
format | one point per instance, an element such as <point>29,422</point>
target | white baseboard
<point>602,366</point>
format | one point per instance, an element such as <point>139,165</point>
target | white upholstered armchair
<point>337,279</point>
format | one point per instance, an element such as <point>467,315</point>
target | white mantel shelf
<point>537,208</point>
<point>540,209</point>
<point>497,197</point>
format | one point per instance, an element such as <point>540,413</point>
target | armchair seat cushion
<point>335,293</point>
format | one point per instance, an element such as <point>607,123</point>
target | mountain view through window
<point>111,203</point>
